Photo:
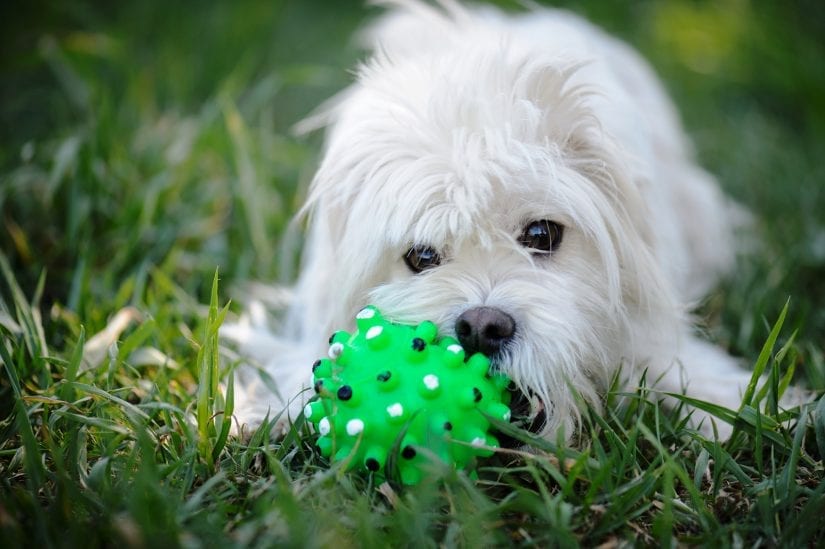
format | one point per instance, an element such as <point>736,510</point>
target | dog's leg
<point>704,371</point>
<point>279,386</point>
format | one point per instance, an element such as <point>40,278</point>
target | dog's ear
<point>342,257</point>
<point>576,119</point>
<point>577,124</point>
<point>600,159</point>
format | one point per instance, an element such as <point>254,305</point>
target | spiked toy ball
<point>392,397</point>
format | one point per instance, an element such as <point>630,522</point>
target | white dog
<point>523,182</point>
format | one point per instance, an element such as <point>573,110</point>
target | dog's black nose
<point>484,329</point>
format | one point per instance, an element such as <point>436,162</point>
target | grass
<point>140,153</point>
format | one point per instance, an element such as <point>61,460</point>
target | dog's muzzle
<point>488,330</point>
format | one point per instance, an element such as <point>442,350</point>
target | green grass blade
<point>249,195</point>
<point>226,421</point>
<point>8,364</point>
<point>788,475</point>
<point>35,471</point>
<point>136,338</point>
<point>196,500</point>
<point>208,377</point>
<point>819,426</point>
<point>700,467</point>
<point>804,529</point>
<point>28,318</point>
<point>725,414</point>
<point>773,385</point>
<point>93,421</point>
<point>66,389</point>
<point>132,411</point>
<point>764,356</point>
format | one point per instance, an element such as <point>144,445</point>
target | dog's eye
<point>543,235</point>
<point>421,258</point>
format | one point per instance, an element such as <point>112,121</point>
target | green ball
<point>393,394</point>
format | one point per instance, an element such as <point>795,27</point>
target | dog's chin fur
<point>465,126</point>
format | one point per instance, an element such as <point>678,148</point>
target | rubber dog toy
<point>392,397</point>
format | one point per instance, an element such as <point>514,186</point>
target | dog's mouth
<point>527,412</point>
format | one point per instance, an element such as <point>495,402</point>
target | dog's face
<point>521,285</point>
<point>500,212</point>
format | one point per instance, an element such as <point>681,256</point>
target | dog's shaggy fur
<point>466,127</point>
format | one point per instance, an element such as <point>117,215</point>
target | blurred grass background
<point>144,144</point>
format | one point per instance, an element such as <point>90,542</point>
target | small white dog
<point>522,181</point>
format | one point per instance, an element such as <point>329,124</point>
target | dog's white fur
<point>465,126</point>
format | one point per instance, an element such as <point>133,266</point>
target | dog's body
<point>523,182</point>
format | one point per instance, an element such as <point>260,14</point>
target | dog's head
<point>481,189</point>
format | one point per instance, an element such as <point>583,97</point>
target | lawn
<point>148,172</point>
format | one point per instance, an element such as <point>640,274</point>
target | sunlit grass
<point>155,172</point>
